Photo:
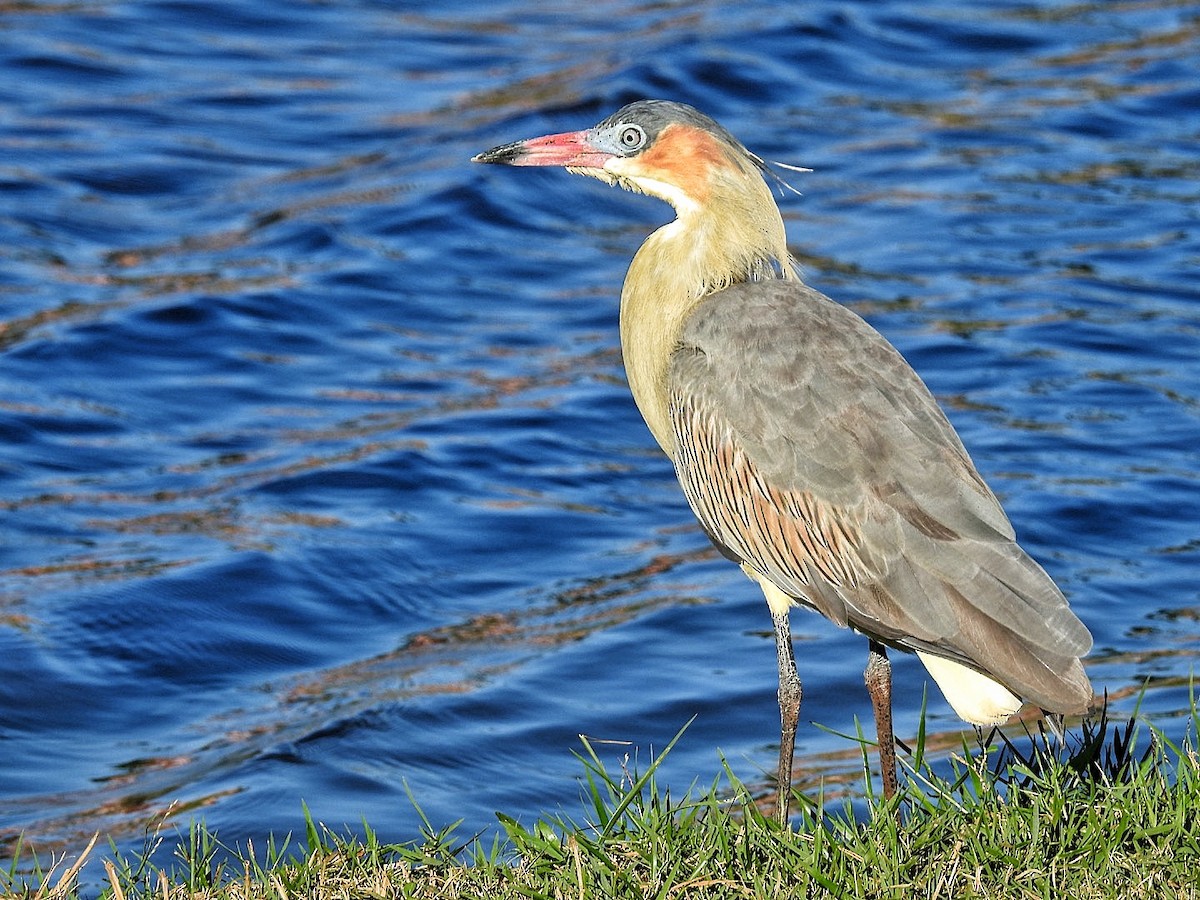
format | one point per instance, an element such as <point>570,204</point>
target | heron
<point>810,451</point>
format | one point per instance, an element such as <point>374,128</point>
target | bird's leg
<point>878,676</point>
<point>789,710</point>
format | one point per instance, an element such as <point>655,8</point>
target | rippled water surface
<point>320,475</point>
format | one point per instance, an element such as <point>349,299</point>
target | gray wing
<point>812,453</point>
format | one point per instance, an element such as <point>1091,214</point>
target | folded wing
<point>814,455</point>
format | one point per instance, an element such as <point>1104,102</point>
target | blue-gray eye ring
<point>632,137</point>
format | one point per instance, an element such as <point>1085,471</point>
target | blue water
<point>321,481</point>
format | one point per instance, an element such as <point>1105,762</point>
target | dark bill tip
<point>505,155</point>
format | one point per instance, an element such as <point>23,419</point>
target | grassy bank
<point>1113,813</point>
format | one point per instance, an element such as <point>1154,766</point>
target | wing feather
<point>814,455</point>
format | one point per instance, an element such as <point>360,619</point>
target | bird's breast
<point>659,295</point>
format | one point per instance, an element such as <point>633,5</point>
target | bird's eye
<point>632,137</point>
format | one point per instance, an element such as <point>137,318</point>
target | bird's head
<point>657,147</point>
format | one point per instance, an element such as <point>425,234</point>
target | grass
<point>1112,812</point>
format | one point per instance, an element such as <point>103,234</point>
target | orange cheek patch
<point>683,156</point>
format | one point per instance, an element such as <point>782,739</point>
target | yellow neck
<point>738,236</point>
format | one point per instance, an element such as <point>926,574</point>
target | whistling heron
<point>810,451</point>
